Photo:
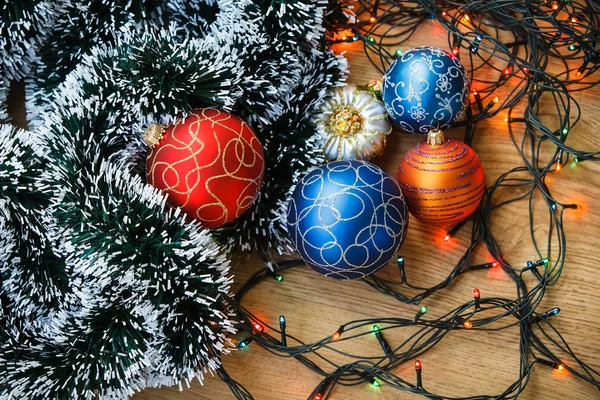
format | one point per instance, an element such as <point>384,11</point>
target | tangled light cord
<point>537,49</point>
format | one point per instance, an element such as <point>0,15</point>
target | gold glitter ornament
<point>353,124</point>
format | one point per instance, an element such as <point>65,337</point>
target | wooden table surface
<point>465,362</point>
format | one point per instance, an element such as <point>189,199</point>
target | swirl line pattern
<point>426,88</point>
<point>210,163</point>
<point>347,219</point>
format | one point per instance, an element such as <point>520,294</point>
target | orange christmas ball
<point>210,163</point>
<point>442,183</point>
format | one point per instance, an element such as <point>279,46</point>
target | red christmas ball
<point>210,163</point>
<point>442,183</point>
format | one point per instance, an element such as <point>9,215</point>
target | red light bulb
<point>476,293</point>
<point>494,264</point>
<point>455,50</point>
<point>417,365</point>
<point>444,14</point>
<point>259,327</point>
<point>318,396</point>
<point>446,238</point>
<point>506,71</point>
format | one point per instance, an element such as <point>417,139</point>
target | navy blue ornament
<point>426,88</point>
<point>347,219</point>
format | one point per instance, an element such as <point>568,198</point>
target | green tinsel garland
<point>105,290</point>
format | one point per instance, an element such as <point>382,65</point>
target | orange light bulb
<point>496,100</point>
<point>372,19</point>
<point>468,324</point>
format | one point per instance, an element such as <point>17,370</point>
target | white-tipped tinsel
<point>23,27</point>
<point>106,290</point>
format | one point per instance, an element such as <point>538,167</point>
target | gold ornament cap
<point>435,137</point>
<point>153,134</point>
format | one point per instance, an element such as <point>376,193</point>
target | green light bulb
<point>565,131</point>
<point>546,261</point>
<point>572,47</point>
<point>375,382</point>
<point>399,52</point>
<point>424,310</point>
<point>375,328</point>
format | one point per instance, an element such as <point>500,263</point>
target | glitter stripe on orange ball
<point>210,164</point>
<point>442,180</point>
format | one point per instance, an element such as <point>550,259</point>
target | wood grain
<point>464,363</point>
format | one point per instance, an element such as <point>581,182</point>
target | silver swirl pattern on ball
<point>347,219</point>
<point>426,88</point>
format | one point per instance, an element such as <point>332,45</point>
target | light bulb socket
<point>282,326</point>
<point>419,372</point>
<point>382,342</point>
<point>245,342</point>
<point>545,315</point>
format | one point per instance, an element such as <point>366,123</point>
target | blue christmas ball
<point>426,88</point>
<point>347,219</point>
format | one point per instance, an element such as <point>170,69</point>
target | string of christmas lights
<point>520,44</point>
